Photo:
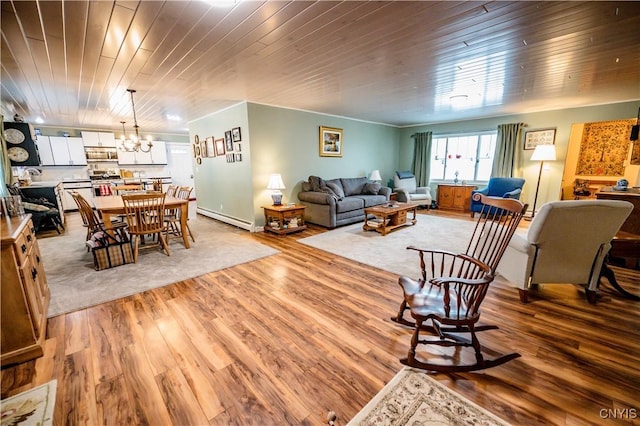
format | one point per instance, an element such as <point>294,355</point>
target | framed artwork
<point>193,150</point>
<point>230,158</point>
<point>210,149</point>
<point>196,139</point>
<point>196,148</point>
<point>228,145</point>
<point>199,160</point>
<point>227,136</point>
<point>219,146</point>
<point>539,137</point>
<point>235,134</point>
<point>238,157</point>
<point>238,147</point>
<point>203,148</point>
<point>331,143</point>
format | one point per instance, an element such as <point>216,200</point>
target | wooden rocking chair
<point>453,285</point>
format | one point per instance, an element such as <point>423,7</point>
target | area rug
<point>75,284</point>
<point>30,408</point>
<point>414,398</point>
<point>389,252</point>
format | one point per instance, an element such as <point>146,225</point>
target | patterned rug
<point>414,398</point>
<point>30,408</point>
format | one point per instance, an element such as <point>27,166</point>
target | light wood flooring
<point>285,339</point>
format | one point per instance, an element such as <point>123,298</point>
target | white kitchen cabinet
<point>68,151</point>
<point>104,139</point>
<point>44,151</point>
<point>157,155</point>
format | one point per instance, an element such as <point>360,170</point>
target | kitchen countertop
<point>42,184</point>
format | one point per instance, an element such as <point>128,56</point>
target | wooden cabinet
<point>67,151</point>
<point>25,294</point>
<point>284,219</point>
<point>455,197</point>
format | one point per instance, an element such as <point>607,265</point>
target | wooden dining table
<point>113,205</point>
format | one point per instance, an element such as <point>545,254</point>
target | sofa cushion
<point>371,200</point>
<point>353,186</point>
<point>349,203</point>
<point>371,188</point>
<point>336,188</point>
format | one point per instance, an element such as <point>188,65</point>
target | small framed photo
<point>227,136</point>
<point>238,157</point>
<point>219,146</point>
<point>193,150</point>
<point>331,143</point>
<point>230,158</point>
<point>228,145</point>
<point>210,147</point>
<point>199,160</point>
<point>235,134</point>
<point>196,148</point>
<point>238,147</point>
<point>203,148</point>
<point>539,137</point>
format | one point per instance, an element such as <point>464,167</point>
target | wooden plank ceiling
<point>69,63</point>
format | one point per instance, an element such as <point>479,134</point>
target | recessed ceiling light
<point>172,117</point>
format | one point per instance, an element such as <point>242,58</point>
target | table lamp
<point>375,176</point>
<point>542,153</point>
<point>276,184</point>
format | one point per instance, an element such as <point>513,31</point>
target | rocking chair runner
<point>453,286</point>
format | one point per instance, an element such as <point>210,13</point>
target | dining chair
<point>173,216</point>
<point>145,216</point>
<point>91,219</point>
<point>171,190</point>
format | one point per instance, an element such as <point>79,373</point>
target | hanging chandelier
<point>134,144</point>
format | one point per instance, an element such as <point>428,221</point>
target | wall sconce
<point>276,184</point>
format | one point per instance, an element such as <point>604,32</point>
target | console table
<point>455,197</point>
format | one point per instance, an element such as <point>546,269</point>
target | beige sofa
<point>341,201</point>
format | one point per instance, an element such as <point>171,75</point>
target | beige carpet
<point>389,252</point>
<point>33,407</point>
<point>75,284</point>
<point>414,398</point>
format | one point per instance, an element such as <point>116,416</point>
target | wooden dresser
<point>455,197</point>
<point>25,294</point>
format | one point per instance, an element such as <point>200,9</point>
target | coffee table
<point>388,217</point>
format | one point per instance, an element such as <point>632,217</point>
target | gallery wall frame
<point>236,135</point>
<point>331,142</point>
<point>210,147</point>
<point>534,138</point>
<point>219,146</point>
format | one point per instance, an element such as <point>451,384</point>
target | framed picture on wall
<point>331,143</point>
<point>238,157</point>
<point>203,148</point>
<point>210,147</point>
<point>539,137</point>
<point>228,145</point>
<point>235,134</point>
<point>219,146</point>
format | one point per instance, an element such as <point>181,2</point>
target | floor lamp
<point>542,153</point>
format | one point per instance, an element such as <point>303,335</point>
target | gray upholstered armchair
<point>567,242</point>
<point>407,190</point>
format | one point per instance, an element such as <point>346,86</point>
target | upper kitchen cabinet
<point>104,139</point>
<point>68,151</point>
<point>157,155</point>
<point>44,149</point>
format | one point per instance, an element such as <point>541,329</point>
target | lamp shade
<point>544,153</point>
<point>375,175</point>
<point>275,182</point>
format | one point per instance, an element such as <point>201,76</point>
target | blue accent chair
<point>504,187</point>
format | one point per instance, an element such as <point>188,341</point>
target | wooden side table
<point>283,219</point>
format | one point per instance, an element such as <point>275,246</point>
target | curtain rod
<point>467,132</point>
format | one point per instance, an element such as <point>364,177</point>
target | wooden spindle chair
<point>172,217</point>
<point>145,216</point>
<point>452,286</point>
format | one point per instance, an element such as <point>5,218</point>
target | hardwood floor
<point>284,339</point>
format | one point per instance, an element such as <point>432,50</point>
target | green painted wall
<point>562,120</point>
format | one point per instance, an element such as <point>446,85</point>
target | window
<point>469,155</point>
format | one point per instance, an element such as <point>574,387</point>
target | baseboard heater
<point>240,223</point>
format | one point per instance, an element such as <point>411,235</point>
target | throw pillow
<point>316,183</point>
<point>405,174</point>
<point>371,188</point>
<point>337,189</point>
